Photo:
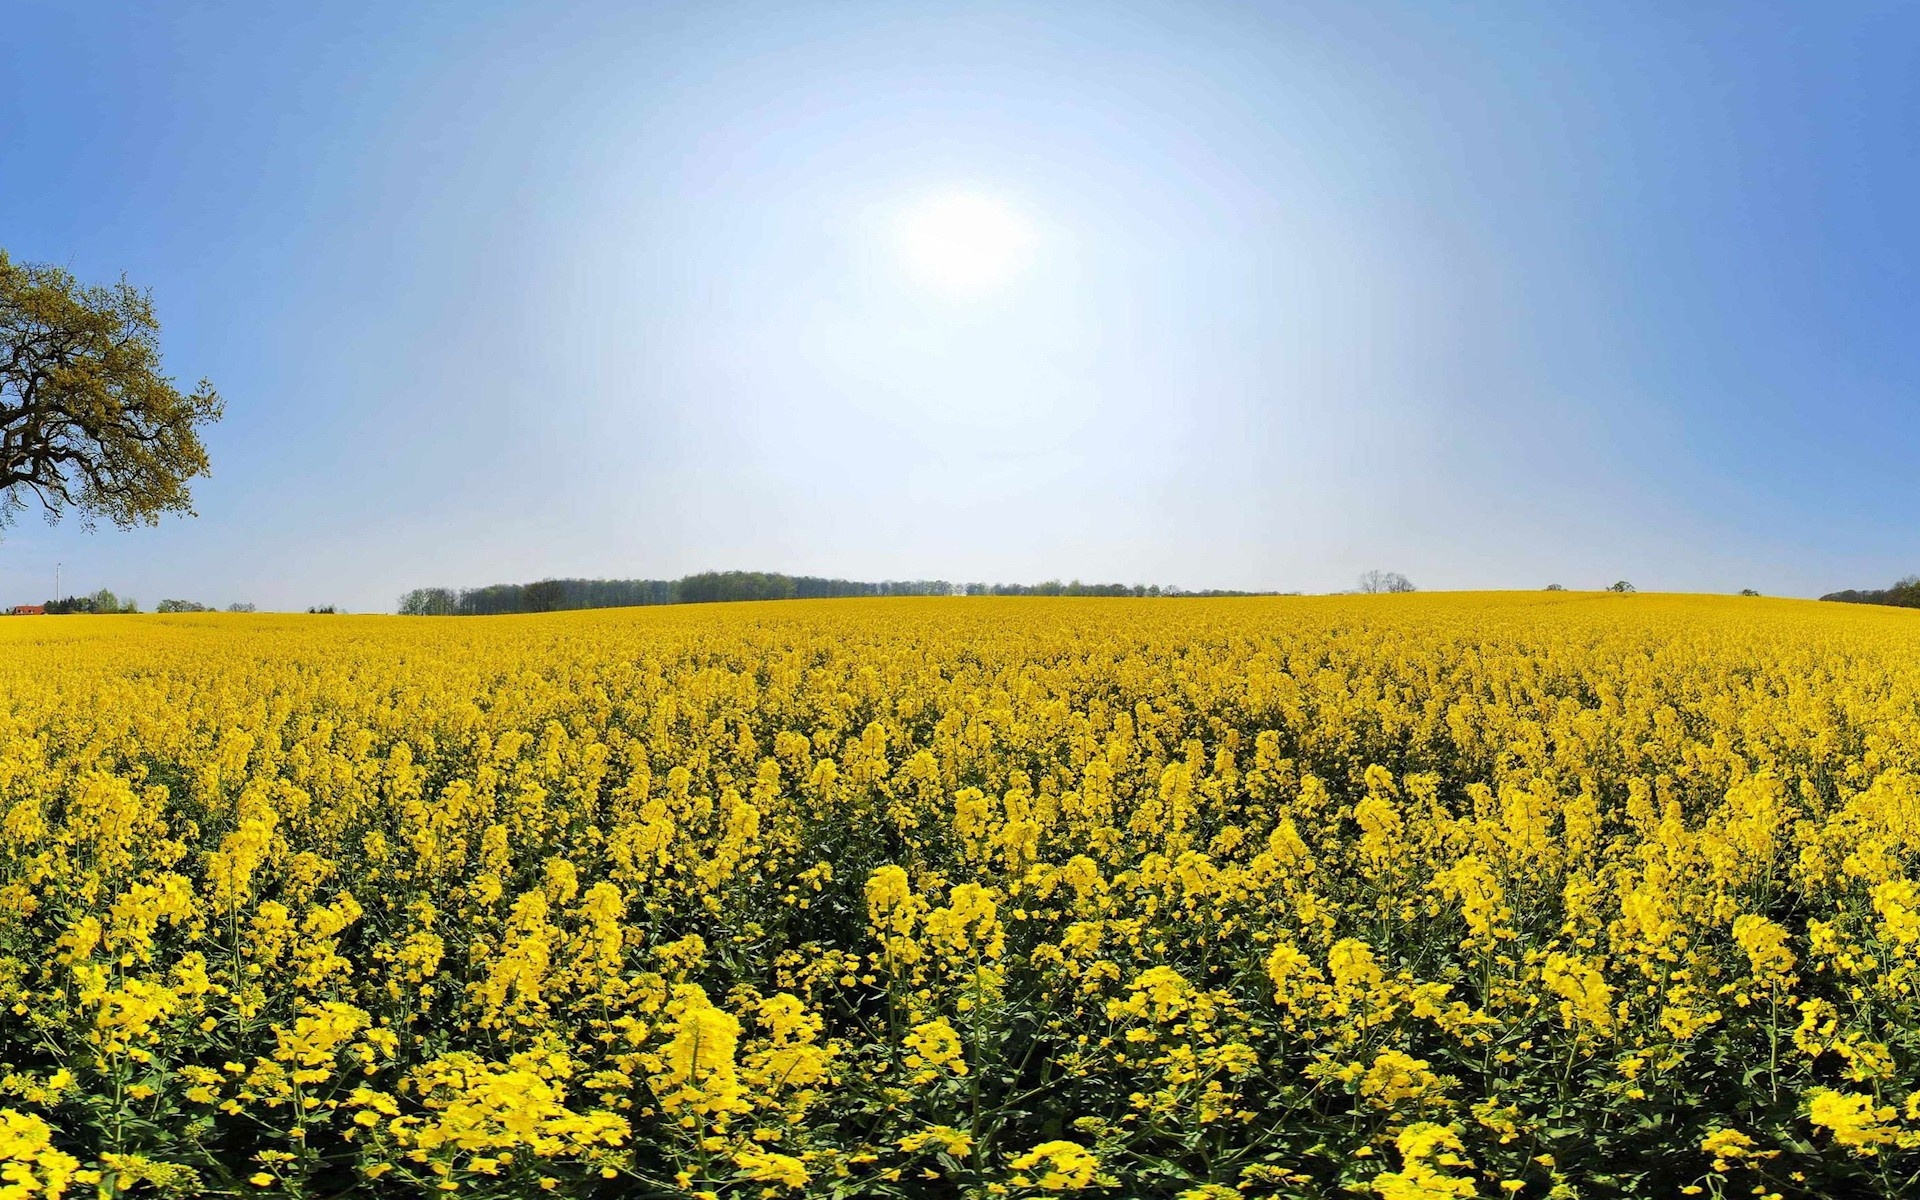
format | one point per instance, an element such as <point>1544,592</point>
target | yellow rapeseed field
<point>1416,896</point>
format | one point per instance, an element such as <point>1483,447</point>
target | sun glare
<point>963,242</point>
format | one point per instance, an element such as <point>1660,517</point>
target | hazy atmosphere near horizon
<point>410,788</point>
<point>1215,295</point>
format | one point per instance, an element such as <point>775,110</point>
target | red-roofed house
<point>29,610</point>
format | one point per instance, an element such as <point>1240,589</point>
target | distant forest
<point>1905,594</point>
<point>556,595</point>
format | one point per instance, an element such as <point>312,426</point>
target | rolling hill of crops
<point>1413,896</point>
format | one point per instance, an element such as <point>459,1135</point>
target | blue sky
<point>1493,295</point>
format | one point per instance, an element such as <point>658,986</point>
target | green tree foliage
<point>89,423</point>
<point>1905,594</point>
<point>99,603</point>
<point>554,595</point>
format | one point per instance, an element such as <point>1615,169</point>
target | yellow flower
<point>1424,1149</point>
<point>947,1138</point>
<point>29,1164</point>
<point>1728,1146</point>
<point>1855,1121</point>
<point>774,890</point>
<point>1585,998</point>
<point>1060,1166</point>
<point>764,1166</point>
<point>1765,944</point>
<point>1396,1078</point>
<point>935,1047</point>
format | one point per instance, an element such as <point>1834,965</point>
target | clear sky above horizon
<point>1216,295</point>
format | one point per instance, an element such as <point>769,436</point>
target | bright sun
<point>963,242</point>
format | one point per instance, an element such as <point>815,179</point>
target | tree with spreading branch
<point>89,423</point>
<point>1373,583</point>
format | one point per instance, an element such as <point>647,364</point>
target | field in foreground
<point>1422,897</point>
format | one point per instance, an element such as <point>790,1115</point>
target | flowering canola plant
<point>1412,897</point>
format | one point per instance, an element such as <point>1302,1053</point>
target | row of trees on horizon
<point>1904,594</point>
<point>106,601</point>
<point>556,595</point>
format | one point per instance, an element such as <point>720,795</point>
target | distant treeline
<point>1905,594</point>
<point>102,601</point>
<point>555,595</point>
